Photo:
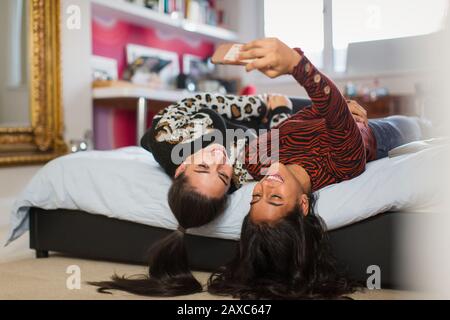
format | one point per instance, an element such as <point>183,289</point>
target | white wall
<point>427,243</point>
<point>247,19</point>
<point>76,52</point>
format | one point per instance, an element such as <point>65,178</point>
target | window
<point>297,23</point>
<point>368,20</point>
<point>302,23</point>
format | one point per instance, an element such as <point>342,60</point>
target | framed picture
<point>190,63</point>
<point>165,63</point>
<point>196,66</point>
<point>104,68</point>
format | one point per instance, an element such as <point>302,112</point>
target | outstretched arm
<point>274,58</point>
<point>327,100</point>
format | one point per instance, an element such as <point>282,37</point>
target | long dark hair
<point>169,273</point>
<point>290,259</point>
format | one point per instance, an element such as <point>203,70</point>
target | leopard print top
<point>185,122</point>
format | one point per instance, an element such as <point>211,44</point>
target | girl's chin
<point>275,168</point>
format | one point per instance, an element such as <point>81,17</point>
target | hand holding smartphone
<point>228,53</point>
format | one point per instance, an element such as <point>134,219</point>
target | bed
<point>73,232</point>
<point>117,201</point>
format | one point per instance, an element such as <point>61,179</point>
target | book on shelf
<point>198,11</point>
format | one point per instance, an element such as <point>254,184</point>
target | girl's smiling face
<point>276,195</point>
<point>209,171</point>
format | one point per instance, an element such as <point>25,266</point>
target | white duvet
<point>128,184</point>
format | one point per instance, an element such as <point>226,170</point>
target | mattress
<point>128,184</point>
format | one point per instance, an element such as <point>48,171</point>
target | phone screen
<point>229,54</point>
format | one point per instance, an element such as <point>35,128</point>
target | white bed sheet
<point>128,184</point>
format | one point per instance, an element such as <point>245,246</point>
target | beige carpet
<point>24,277</point>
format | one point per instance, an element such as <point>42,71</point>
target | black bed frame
<point>76,233</point>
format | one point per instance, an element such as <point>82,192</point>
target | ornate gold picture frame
<point>42,141</point>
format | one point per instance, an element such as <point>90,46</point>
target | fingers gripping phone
<point>228,53</point>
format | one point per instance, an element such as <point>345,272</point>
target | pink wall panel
<point>110,40</point>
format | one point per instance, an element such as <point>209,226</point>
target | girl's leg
<point>395,131</point>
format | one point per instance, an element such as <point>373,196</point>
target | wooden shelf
<point>121,10</point>
<point>140,92</point>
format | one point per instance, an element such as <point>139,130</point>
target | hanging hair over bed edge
<point>169,273</point>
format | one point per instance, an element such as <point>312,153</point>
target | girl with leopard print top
<point>192,119</point>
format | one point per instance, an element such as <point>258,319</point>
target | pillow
<point>417,146</point>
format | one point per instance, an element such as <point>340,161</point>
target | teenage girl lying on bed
<point>284,251</point>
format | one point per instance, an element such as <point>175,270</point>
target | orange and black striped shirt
<point>323,138</point>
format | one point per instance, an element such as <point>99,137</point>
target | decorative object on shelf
<point>136,2</point>
<point>186,82</point>
<point>211,85</point>
<point>78,145</point>
<point>152,4</point>
<point>365,92</point>
<point>350,90</point>
<point>196,66</point>
<point>149,66</point>
<point>190,62</point>
<point>85,144</point>
<point>202,11</point>
<point>103,69</point>
<point>376,91</point>
<point>146,70</point>
<point>248,90</point>
<point>198,75</point>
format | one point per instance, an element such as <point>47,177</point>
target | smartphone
<point>228,53</point>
